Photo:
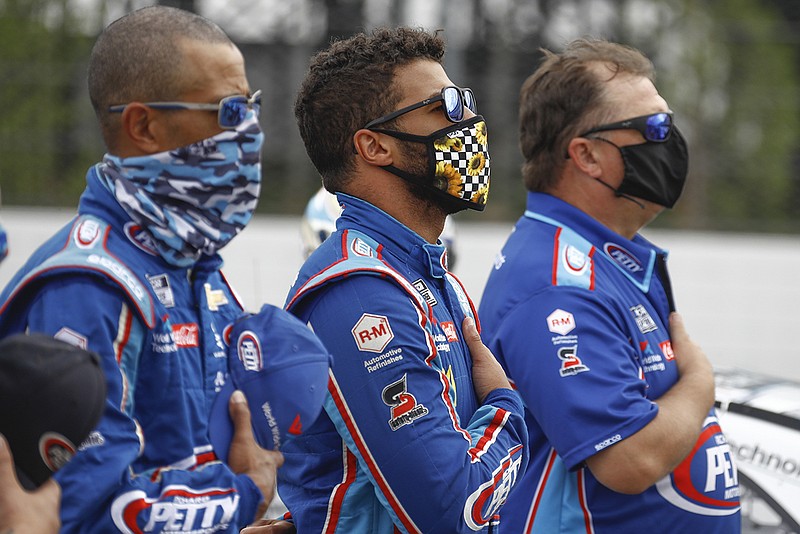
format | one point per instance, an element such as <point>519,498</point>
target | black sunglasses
<point>454,99</point>
<point>656,127</point>
<point>231,110</point>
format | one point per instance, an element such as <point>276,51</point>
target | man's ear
<point>374,148</point>
<point>583,153</point>
<point>137,125</point>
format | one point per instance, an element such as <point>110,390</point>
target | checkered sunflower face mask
<point>458,163</point>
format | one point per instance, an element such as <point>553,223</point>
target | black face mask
<point>458,164</point>
<point>654,171</point>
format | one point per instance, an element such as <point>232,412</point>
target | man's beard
<point>415,157</point>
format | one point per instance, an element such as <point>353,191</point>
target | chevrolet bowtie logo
<point>215,298</point>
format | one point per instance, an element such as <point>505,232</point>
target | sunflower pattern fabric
<point>462,161</point>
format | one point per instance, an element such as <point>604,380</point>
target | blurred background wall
<point>730,69</point>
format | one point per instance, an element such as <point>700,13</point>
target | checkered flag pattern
<point>472,155</point>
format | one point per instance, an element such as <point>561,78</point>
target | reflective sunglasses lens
<point>452,104</point>
<point>469,100</point>
<point>232,112</point>
<point>659,126</point>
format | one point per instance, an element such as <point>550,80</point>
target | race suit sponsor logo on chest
<point>178,509</point>
<point>186,335</point>
<point>643,320</point>
<point>651,361</point>
<point>372,333</point>
<point>162,289</point>
<point>447,335</point>
<point>214,297</point>
<point>403,405</point>
<point>425,292</point>
<point>163,342</point>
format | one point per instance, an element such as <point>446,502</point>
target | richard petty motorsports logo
<point>706,482</point>
<point>178,509</point>
<point>404,407</point>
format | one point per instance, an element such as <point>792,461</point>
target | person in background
<point>319,222</point>
<point>580,312</point>
<point>135,277</point>
<point>421,431</point>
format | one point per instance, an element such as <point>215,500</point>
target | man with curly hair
<point>421,431</point>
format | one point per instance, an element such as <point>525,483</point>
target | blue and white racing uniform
<point>403,445</point>
<point>578,316</point>
<point>148,467</point>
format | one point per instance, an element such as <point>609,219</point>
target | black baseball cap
<point>52,395</point>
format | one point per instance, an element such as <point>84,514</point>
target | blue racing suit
<point>578,317</point>
<point>403,445</point>
<point>148,466</point>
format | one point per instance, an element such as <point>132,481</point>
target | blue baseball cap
<point>282,369</point>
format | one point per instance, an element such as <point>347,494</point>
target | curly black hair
<point>350,83</point>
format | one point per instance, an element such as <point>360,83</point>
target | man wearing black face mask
<point>422,431</point>
<point>579,311</point>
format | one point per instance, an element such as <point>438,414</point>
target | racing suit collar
<point>361,215</point>
<point>636,257</point>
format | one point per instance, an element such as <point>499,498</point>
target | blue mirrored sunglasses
<point>656,127</point>
<point>231,110</point>
<point>454,101</point>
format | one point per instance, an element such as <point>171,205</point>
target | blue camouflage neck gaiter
<point>193,200</point>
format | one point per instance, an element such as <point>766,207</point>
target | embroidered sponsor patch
<point>560,322</point>
<point>87,234</point>
<point>162,289</point>
<point>404,408</point>
<point>55,450</point>
<point>623,257</point>
<point>372,332</point>
<point>643,319</point>
<point>140,237</point>
<point>249,349</point>
<point>666,349</point>
<point>361,248</point>
<point>425,292</point>
<point>214,297</point>
<point>570,363</point>
<point>179,508</point>
<point>186,335</point>
<point>575,261</point>
<point>450,331</point>
<point>608,442</point>
<point>484,502</point>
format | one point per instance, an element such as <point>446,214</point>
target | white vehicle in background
<point>761,419</point>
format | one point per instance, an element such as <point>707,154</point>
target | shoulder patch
<point>573,263</point>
